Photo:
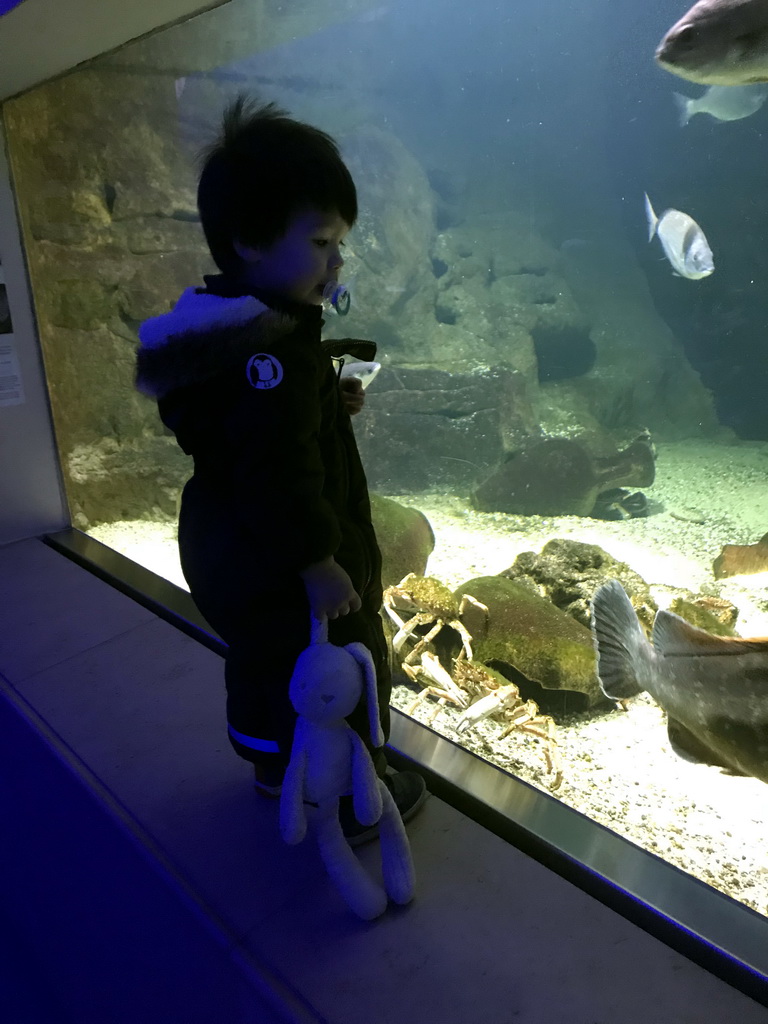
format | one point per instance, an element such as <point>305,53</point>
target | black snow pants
<point>264,619</point>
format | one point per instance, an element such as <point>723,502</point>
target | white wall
<point>31,497</point>
<point>42,38</point>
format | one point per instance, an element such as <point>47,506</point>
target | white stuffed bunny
<point>329,760</point>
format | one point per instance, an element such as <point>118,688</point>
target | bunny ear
<point>318,630</point>
<point>362,656</point>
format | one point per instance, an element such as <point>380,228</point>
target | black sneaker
<point>268,780</point>
<point>409,792</point>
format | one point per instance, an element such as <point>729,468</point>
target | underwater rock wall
<point>111,235</point>
<point>430,428</point>
<point>592,360</point>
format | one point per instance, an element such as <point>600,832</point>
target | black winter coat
<point>252,395</point>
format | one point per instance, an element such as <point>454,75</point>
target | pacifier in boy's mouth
<point>336,297</point>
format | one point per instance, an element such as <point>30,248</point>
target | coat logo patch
<point>263,371</point>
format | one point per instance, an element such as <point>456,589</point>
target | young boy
<point>276,518</point>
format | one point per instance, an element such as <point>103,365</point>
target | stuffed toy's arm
<point>293,820</point>
<point>366,798</point>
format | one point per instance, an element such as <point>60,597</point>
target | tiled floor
<point>492,937</point>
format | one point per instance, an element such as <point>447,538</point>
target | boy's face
<point>302,261</point>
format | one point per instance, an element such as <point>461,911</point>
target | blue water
<point>563,99</point>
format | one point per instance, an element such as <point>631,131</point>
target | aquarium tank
<point>556,408</point>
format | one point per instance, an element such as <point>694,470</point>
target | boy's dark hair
<point>264,169</point>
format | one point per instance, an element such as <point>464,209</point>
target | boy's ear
<point>246,252</point>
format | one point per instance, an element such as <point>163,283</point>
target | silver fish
<point>714,689</point>
<point>723,102</point>
<point>683,242</point>
<point>719,42</point>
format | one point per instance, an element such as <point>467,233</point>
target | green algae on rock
<point>715,615</point>
<point>405,538</point>
<point>568,572</point>
<point>529,634</point>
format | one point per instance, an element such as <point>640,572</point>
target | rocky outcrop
<point>531,641</point>
<point>405,538</point>
<point>568,572</point>
<point>426,427</point>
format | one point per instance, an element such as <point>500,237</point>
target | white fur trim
<point>196,313</point>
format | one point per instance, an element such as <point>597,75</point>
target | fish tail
<point>684,108</point>
<point>619,641</point>
<point>651,218</point>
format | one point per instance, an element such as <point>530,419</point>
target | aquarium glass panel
<point>561,403</point>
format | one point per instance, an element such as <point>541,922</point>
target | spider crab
<point>425,601</point>
<point>428,602</point>
<point>498,696</point>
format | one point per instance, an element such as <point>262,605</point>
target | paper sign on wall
<point>11,387</point>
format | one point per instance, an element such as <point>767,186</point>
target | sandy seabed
<point>618,768</point>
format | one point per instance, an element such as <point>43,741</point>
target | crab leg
<point>406,629</point>
<point>468,599</point>
<point>439,685</point>
<point>533,726</point>
<point>412,656</point>
<point>400,623</point>
<point>493,704</point>
<point>466,639</point>
<point>552,755</point>
<point>429,691</point>
<point>434,671</point>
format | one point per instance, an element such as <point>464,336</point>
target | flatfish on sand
<point>714,689</point>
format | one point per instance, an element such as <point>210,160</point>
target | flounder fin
<point>672,636</point>
<point>618,640</point>
<point>688,746</point>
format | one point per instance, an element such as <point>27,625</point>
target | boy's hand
<point>352,394</point>
<point>329,589</point>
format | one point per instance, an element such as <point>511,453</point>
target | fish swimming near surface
<point>714,689</point>
<point>719,42</point>
<point>723,102</point>
<point>683,242</point>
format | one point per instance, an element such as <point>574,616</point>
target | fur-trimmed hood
<point>177,348</point>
